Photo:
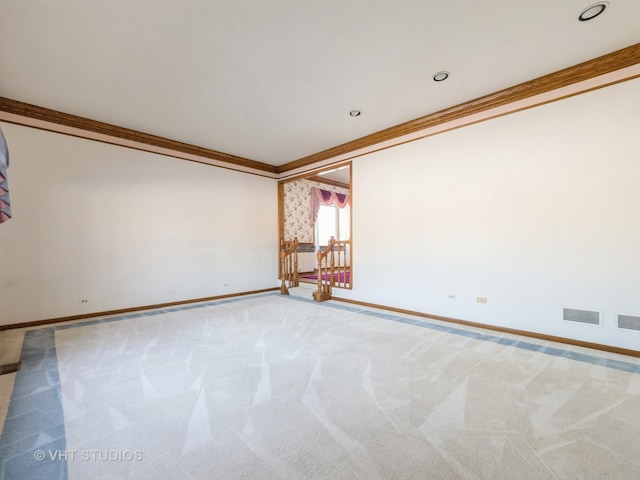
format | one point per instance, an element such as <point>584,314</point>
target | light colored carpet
<point>271,387</point>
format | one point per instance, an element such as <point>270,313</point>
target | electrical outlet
<point>452,296</point>
<point>481,299</point>
<point>84,300</point>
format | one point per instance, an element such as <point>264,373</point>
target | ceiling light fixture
<point>354,113</point>
<point>440,76</point>
<point>592,11</point>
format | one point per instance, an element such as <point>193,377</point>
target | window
<point>332,222</point>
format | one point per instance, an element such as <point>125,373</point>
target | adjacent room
<point>319,240</point>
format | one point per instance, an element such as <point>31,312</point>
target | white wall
<point>123,228</point>
<point>535,211</point>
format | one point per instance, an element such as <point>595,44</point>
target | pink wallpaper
<point>297,208</point>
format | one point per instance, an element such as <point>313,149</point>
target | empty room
<point>319,240</point>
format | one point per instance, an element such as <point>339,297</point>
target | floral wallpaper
<point>297,208</point>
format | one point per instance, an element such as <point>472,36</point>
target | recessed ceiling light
<point>354,113</point>
<point>440,76</point>
<point>593,11</point>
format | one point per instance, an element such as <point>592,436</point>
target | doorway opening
<point>316,210</point>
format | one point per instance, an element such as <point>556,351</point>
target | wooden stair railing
<point>288,265</point>
<point>334,268</point>
<point>342,272</point>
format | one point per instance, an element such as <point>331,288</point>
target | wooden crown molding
<point>608,63</point>
<point>60,118</point>
<point>620,59</point>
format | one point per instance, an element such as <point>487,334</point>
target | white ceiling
<point>275,80</point>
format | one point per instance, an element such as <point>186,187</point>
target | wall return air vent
<point>581,316</point>
<point>629,322</point>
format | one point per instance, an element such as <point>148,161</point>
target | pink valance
<point>325,197</point>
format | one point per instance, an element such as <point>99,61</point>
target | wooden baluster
<point>288,267</point>
<point>337,254</point>
<point>340,265</point>
<point>289,272</point>
<point>324,275</point>
<point>343,278</point>
<point>343,270</point>
<point>347,267</point>
<point>318,294</point>
<point>296,279</point>
<point>327,275</point>
<point>344,265</point>
<point>283,259</point>
<point>332,252</point>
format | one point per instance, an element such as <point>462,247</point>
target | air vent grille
<point>581,316</point>
<point>629,322</point>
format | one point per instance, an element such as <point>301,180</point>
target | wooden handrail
<point>333,271</point>
<point>288,265</point>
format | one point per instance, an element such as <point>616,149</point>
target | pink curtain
<point>325,197</point>
<point>5,204</point>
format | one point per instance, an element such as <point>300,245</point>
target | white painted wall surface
<point>123,228</point>
<point>535,211</point>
